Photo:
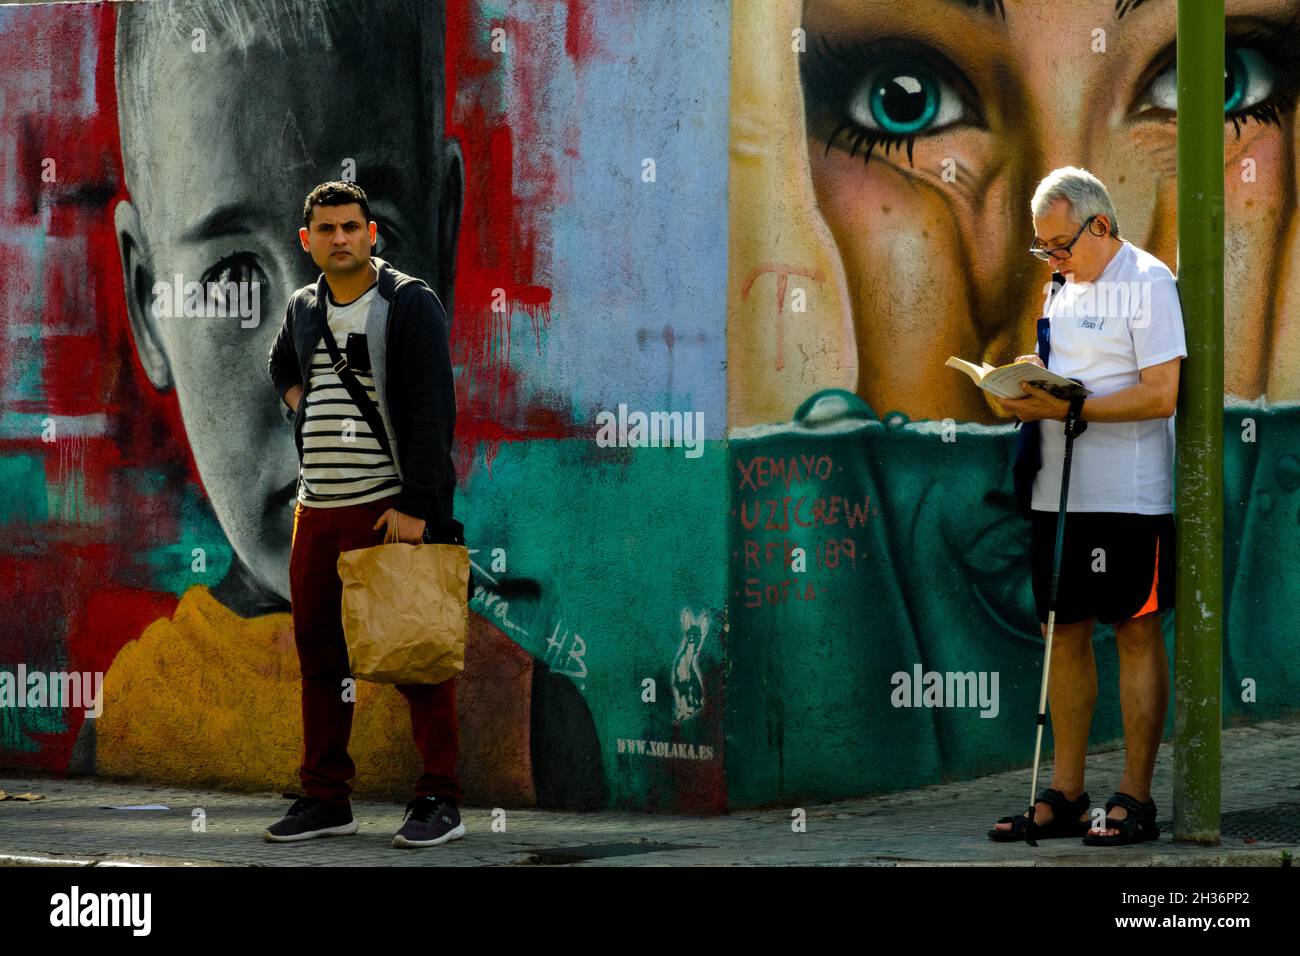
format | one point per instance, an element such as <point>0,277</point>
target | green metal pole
<point>1198,667</point>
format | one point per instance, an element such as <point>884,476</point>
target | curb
<point>49,859</point>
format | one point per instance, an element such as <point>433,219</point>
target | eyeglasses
<point>1063,252</point>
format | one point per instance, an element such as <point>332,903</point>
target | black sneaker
<point>429,821</point>
<point>309,817</point>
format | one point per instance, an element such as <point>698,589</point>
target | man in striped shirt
<point>389,331</point>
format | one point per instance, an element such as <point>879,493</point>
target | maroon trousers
<point>316,594</point>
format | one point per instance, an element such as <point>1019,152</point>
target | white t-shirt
<point>1103,333</point>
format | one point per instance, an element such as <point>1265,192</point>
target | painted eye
<point>902,100</point>
<point>1248,80</point>
<point>221,281</point>
<point>885,92</point>
<point>386,237</point>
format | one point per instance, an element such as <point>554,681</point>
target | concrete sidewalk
<point>939,825</point>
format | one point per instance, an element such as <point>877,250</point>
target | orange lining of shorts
<point>1152,602</point>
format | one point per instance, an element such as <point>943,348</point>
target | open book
<point>1004,380</point>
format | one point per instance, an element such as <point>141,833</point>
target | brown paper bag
<point>405,610</point>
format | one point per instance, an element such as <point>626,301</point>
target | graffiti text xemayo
<point>789,513</point>
<point>761,471</point>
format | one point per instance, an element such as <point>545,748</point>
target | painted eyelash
<point>1261,113</point>
<point>231,258</point>
<point>228,262</point>
<point>828,73</point>
<point>1274,46</point>
<point>872,138</point>
<point>832,67</point>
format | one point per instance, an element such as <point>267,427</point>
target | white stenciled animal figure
<point>688,682</point>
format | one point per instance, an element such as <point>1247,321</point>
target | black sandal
<point>1065,820</point>
<point>1139,825</point>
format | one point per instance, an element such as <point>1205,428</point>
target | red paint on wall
<point>68,356</point>
<point>503,260</point>
<point>579,35</point>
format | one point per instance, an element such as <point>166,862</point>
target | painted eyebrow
<point>1124,6</point>
<point>228,219</point>
<point>993,8</point>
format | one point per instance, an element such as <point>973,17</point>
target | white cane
<point>1071,421</point>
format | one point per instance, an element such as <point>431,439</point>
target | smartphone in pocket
<point>358,353</point>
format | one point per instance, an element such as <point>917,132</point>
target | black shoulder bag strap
<point>369,410</point>
<point>1027,458</point>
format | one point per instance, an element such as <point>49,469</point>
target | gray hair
<point>1081,189</point>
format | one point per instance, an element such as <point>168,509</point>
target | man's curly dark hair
<point>335,194</point>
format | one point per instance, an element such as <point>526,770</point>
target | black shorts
<point>1109,565</point>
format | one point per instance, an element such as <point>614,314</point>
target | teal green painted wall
<point>619,541</point>
<point>941,579</point>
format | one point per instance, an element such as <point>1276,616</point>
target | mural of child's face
<point>235,147</point>
<point>962,111</point>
